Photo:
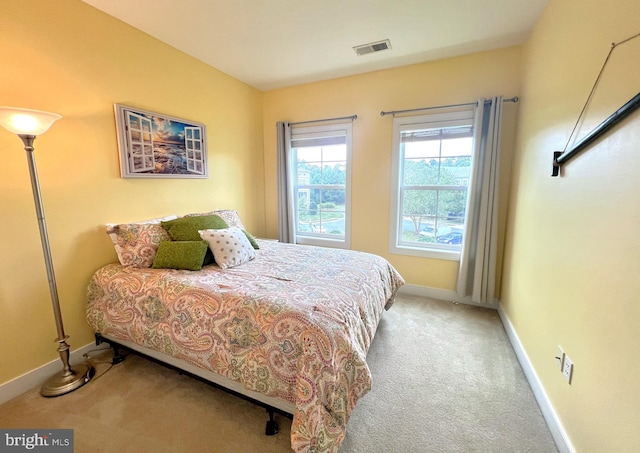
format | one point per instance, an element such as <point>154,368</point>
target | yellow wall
<point>572,250</point>
<point>571,275</point>
<point>67,57</point>
<point>451,81</point>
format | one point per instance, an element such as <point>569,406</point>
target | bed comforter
<point>295,323</point>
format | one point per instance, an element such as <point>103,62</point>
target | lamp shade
<point>26,121</point>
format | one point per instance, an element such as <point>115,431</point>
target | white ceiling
<point>276,43</point>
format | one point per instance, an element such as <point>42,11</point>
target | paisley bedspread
<point>295,323</point>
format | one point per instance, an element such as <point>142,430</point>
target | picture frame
<point>154,145</point>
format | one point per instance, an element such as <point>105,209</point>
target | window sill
<point>321,242</point>
<point>450,255</point>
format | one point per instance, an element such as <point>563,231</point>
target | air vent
<point>372,47</point>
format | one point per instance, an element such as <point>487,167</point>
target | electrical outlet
<point>567,369</point>
<point>560,358</point>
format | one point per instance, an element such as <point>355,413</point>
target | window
<point>432,160</point>
<point>139,132</point>
<point>320,167</point>
<point>193,147</point>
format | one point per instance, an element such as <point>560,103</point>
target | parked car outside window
<point>428,231</point>
<point>450,238</point>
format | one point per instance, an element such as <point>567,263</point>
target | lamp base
<point>59,384</point>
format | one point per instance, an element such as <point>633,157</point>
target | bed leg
<point>272,425</point>
<point>117,357</point>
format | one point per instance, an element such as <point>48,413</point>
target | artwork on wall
<point>153,145</point>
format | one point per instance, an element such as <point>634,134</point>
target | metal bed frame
<point>271,404</point>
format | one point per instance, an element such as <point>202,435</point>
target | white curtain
<point>477,273</point>
<point>285,205</point>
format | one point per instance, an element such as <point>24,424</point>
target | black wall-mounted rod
<point>560,158</point>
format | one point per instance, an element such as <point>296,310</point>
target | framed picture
<point>153,145</point>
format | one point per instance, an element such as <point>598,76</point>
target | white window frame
<point>141,156</point>
<point>436,119</point>
<point>194,149</point>
<point>310,132</point>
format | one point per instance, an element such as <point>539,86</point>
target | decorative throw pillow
<point>196,214</point>
<point>187,255</point>
<point>186,228</point>
<point>137,244</point>
<point>112,227</point>
<point>251,239</point>
<point>232,219</point>
<point>230,246</point>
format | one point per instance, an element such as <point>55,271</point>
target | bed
<point>289,327</point>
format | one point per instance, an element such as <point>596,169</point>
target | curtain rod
<point>352,118</point>
<point>393,112</point>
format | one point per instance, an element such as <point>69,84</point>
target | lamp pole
<point>27,124</point>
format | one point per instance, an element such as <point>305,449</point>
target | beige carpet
<point>445,379</point>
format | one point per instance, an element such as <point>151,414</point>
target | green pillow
<point>186,228</point>
<point>180,255</point>
<point>252,240</point>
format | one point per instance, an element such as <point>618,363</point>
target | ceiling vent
<point>372,47</point>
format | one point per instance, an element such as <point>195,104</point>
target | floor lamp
<point>28,124</point>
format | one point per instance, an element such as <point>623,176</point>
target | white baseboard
<point>553,422</point>
<point>441,294</point>
<point>35,378</point>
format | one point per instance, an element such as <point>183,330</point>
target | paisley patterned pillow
<point>230,246</point>
<point>113,227</point>
<point>228,215</point>
<point>231,217</point>
<point>137,244</point>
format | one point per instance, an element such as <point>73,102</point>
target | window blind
<point>317,141</point>
<point>423,135</point>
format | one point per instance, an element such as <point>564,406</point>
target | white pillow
<point>230,246</point>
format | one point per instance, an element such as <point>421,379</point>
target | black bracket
<point>556,165</point>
